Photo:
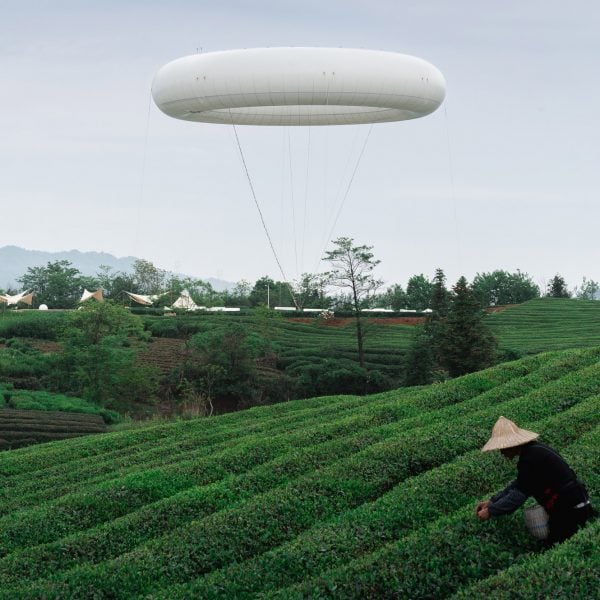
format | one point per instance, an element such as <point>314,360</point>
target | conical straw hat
<point>506,434</point>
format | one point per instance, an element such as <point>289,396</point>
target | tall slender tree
<point>352,270</point>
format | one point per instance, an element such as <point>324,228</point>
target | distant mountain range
<point>15,261</point>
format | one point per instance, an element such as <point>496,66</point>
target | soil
<point>341,322</point>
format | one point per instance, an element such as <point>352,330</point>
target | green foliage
<point>394,298</point>
<point>420,361</point>
<point>337,377</point>
<point>588,290</point>
<point>223,364</point>
<point>98,362</point>
<point>557,288</point>
<point>467,344</point>
<point>58,284</point>
<point>418,292</point>
<point>48,401</point>
<point>501,287</point>
<point>23,366</point>
<point>547,324</point>
<point>32,324</point>
<point>336,496</point>
<point>352,271</point>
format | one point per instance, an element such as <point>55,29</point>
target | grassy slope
<point>330,497</point>
<point>548,324</point>
<point>535,326</point>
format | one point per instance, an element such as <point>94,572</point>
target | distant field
<point>24,427</point>
<point>548,324</point>
<point>535,326</point>
<point>335,497</point>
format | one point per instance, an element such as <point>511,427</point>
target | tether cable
<point>339,212</point>
<point>142,177</point>
<point>262,219</point>
<point>453,192</point>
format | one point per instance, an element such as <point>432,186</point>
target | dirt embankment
<point>341,321</point>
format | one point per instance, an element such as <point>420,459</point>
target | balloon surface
<point>298,86</point>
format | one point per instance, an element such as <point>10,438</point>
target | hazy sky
<point>504,175</point>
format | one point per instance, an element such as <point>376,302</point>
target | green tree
<point>352,270</point>
<point>239,295</point>
<point>420,360</point>
<point>425,353</point>
<point>261,292</point>
<point>557,288</point>
<point>268,292</point>
<point>58,284</point>
<point>116,283</point>
<point>418,292</point>
<point>467,344</point>
<point>394,297</point>
<point>99,359</point>
<point>222,363</point>
<point>501,287</point>
<point>588,290</point>
<point>148,278</point>
<point>309,291</point>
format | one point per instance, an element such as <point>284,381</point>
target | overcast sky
<point>504,175</point>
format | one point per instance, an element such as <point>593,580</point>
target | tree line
<point>59,284</point>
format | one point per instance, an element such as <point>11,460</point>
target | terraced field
<point>548,324</point>
<point>341,497</point>
<point>299,344</point>
<point>20,428</point>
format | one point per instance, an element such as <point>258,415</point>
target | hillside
<point>20,428</point>
<point>343,497</point>
<point>547,324</point>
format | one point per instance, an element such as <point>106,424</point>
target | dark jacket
<point>543,474</point>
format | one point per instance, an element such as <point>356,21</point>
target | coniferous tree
<point>557,288</point>
<point>435,324</point>
<point>467,344</point>
<point>424,356</point>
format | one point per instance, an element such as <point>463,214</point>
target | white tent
<point>97,295</point>
<point>142,298</point>
<point>185,301</point>
<point>23,297</point>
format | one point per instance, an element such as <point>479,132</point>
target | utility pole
<point>268,295</point>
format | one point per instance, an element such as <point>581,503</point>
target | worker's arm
<point>507,501</point>
<point>505,491</point>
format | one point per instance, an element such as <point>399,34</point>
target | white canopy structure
<point>298,86</point>
<point>97,295</point>
<point>142,298</point>
<point>23,297</point>
<point>185,301</point>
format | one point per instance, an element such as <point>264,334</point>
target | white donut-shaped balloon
<point>298,86</point>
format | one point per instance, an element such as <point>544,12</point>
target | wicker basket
<point>536,520</point>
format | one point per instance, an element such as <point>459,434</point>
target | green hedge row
<point>409,506</point>
<point>188,435</point>
<point>365,416</point>
<point>449,554</point>
<point>570,571</point>
<point>50,402</point>
<point>272,518</point>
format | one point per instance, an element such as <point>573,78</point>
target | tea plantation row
<point>329,497</point>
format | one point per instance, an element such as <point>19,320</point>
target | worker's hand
<point>483,514</point>
<point>481,505</point>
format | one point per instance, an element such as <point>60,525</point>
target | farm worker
<point>541,473</point>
